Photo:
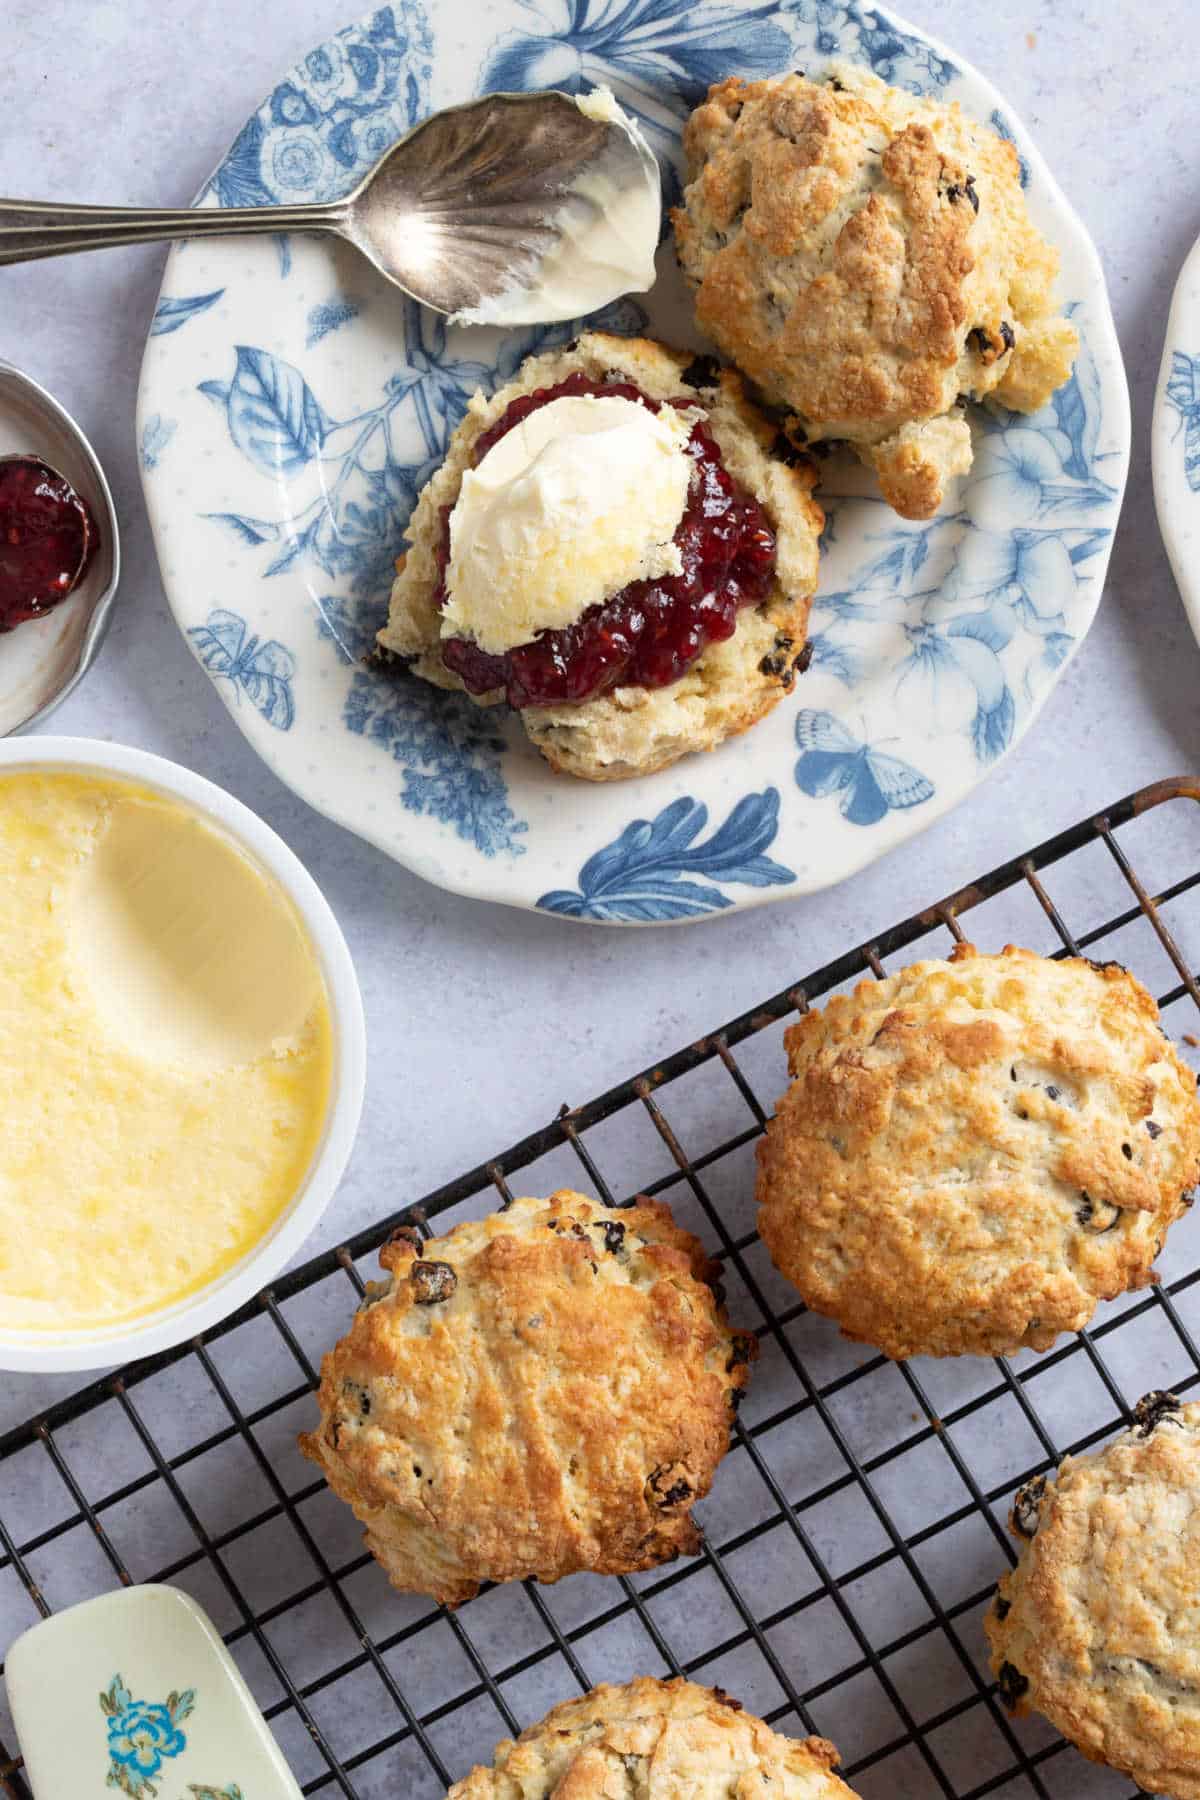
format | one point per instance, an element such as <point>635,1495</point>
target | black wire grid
<point>855,1530</point>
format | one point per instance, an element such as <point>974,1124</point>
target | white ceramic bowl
<point>45,1352</point>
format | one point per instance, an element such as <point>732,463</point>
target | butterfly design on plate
<point>871,783</point>
<point>1183,392</point>
<point>263,672</point>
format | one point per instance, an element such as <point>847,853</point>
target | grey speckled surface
<point>483,1020</point>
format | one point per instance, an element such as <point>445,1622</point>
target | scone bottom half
<point>867,259</point>
<point>545,1390</point>
<point>972,1154</point>
<point>1098,1625</point>
<point>629,730</point>
<point>648,1737</point>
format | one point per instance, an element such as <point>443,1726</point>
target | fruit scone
<point>664,1740</point>
<point>1098,1626</point>
<point>623,547</point>
<point>867,258</point>
<point>542,1391</point>
<point>973,1153</point>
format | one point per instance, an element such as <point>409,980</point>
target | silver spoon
<point>469,206</point>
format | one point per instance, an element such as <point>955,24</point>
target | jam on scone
<point>621,547</point>
<point>649,632</point>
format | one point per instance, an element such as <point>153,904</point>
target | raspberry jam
<point>650,632</point>
<point>47,539</point>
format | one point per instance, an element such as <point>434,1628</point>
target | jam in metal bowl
<point>47,539</point>
<point>52,629</point>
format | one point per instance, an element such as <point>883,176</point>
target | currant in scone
<point>1098,1626</point>
<point>661,1740</point>
<point>866,257</point>
<point>540,1392</point>
<point>973,1153</point>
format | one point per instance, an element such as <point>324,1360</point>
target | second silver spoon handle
<point>30,229</point>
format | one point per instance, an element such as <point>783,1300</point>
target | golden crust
<point>1098,1626</point>
<point>635,731</point>
<point>671,1739</point>
<point>545,1390</point>
<point>867,258</point>
<point>973,1153</point>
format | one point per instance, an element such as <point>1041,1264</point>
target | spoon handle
<point>30,229</point>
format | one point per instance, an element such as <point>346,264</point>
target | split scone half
<point>973,1153</point>
<point>655,1738</point>
<point>866,257</point>
<point>545,1390</point>
<point>698,688</point>
<point>1098,1626</point>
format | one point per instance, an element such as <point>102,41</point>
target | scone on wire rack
<point>1098,1626</point>
<point>545,1390</point>
<point>867,258</point>
<point>973,1153</point>
<point>655,1738</point>
<point>623,547</point>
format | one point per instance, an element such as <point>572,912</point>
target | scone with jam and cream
<point>621,546</point>
<point>866,257</point>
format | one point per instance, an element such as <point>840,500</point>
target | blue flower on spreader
<point>142,1735</point>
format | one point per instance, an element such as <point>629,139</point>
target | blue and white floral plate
<point>1175,438</point>
<point>292,405</point>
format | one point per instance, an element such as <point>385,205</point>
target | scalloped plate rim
<point>496,885</point>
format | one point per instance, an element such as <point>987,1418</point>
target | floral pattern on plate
<point>335,114</point>
<point>1183,396</point>
<point>142,1735</point>
<point>674,49</point>
<point>656,870</point>
<point>308,403</point>
<point>1175,436</point>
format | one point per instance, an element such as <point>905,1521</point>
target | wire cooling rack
<point>855,1529</point>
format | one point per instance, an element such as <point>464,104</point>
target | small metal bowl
<point>44,659</point>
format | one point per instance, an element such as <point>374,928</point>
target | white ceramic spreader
<point>136,1692</point>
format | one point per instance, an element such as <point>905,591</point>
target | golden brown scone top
<point>669,1740</point>
<point>973,1153</point>
<point>1098,1626</point>
<point>867,258</point>
<point>541,1391</point>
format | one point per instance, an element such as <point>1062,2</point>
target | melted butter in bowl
<point>181,946</point>
<point>165,1052</point>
